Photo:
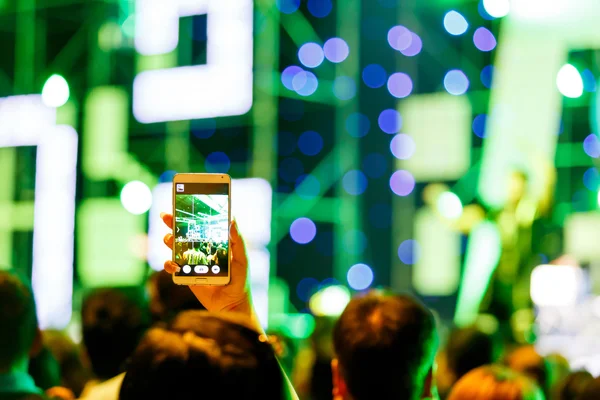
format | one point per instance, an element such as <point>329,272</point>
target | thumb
<point>238,246</point>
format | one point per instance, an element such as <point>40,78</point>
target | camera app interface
<point>202,229</point>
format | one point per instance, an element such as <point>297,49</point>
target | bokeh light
<point>330,301</point>
<point>402,183</point>
<point>136,197</point>
<point>380,215</point>
<point>290,169</point>
<point>486,76</point>
<point>287,6</point>
<point>456,82</point>
<point>360,276</point>
<point>167,176</point>
<point>374,76</point>
<point>484,14</point>
<point>311,55</point>
<point>484,40</point>
<point>354,182</point>
<point>589,80</point>
<point>320,8</point>
<point>390,121</point>
<point>288,75</point>
<point>400,85</point>
<point>217,162</point>
<point>303,230</point>
<point>308,187</point>
<point>336,50</point>
<point>399,37</point>
<point>310,143</point>
<point>496,8</point>
<point>374,165</point>
<point>591,179</point>
<point>479,125</point>
<point>415,47</point>
<point>449,205</point>
<point>569,82</point>
<point>591,145</point>
<point>203,128</point>
<point>357,125</point>
<point>402,146</point>
<point>409,251</point>
<point>287,143</point>
<point>454,23</point>
<point>344,87</point>
<point>55,92</point>
<point>305,83</point>
<point>306,288</point>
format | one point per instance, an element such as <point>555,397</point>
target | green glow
<point>295,326</point>
<point>279,294</point>
<point>55,92</point>
<point>569,81</point>
<point>449,205</point>
<point>107,251</point>
<point>483,254</point>
<point>330,301</point>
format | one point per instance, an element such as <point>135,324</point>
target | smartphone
<point>201,218</point>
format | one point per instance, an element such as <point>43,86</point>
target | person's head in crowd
<point>221,257</point>
<point>385,347</point>
<point>20,337</point>
<point>203,355</point>
<point>74,373</point>
<point>469,348</point>
<point>495,382</point>
<point>572,386</point>
<point>44,369</point>
<point>167,299</point>
<point>112,324</point>
<point>591,391</point>
<point>526,360</point>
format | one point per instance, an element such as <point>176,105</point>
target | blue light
<point>288,6</point>
<point>374,165</point>
<point>288,75</point>
<point>303,230</point>
<point>320,8</point>
<point>380,215</point>
<point>310,143</point>
<point>482,11</point>
<point>311,55</point>
<point>591,179</point>
<point>455,24</point>
<point>374,76</point>
<point>400,85</point>
<point>355,242</point>
<point>354,182</point>
<point>360,277</point>
<point>357,125</point>
<point>344,87</point>
<point>486,76</point>
<point>287,143</point>
<point>290,169</point>
<point>456,82</point>
<point>591,145</point>
<point>308,187</point>
<point>305,83</point>
<point>336,50</point>
<point>399,37</point>
<point>167,176</point>
<point>203,128</point>
<point>306,288</point>
<point>390,121</point>
<point>402,146</point>
<point>409,252</point>
<point>217,162</point>
<point>479,125</point>
<point>589,81</point>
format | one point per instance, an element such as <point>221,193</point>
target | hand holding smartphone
<point>201,220</point>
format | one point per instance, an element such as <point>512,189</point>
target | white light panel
<point>26,121</point>
<point>556,285</point>
<point>222,87</point>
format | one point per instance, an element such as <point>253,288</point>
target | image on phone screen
<point>202,229</point>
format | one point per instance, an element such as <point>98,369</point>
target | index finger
<point>167,219</point>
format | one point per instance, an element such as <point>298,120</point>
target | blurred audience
<point>204,355</point>
<point>74,371</point>
<point>591,390</point>
<point>385,347</point>
<point>572,386</point>
<point>495,382</point>
<point>168,299</point>
<point>112,324</point>
<point>526,360</point>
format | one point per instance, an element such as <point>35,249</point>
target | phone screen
<point>202,229</point>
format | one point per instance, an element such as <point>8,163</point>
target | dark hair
<point>495,382</point>
<point>385,345</point>
<point>572,386</point>
<point>591,391</point>
<point>113,323</point>
<point>469,348</point>
<point>203,355</point>
<point>18,321</point>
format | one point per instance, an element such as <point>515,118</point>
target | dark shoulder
<point>22,396</point>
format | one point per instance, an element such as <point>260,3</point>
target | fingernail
<point>162,214</point>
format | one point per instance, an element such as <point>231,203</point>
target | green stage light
<point>569,81</point>
<point>449,205</point>
<point>330,301</point>
<point>55,92</point>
